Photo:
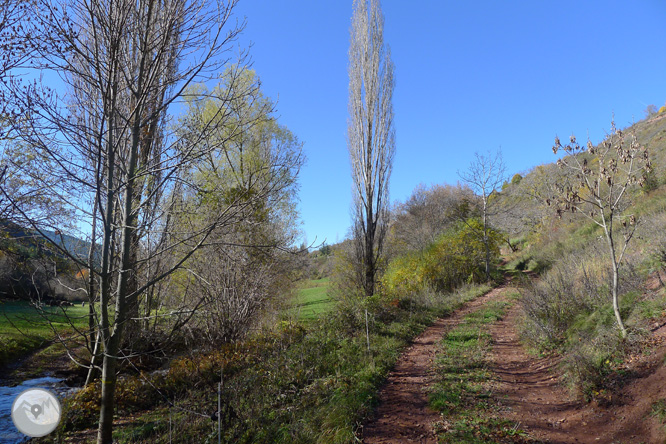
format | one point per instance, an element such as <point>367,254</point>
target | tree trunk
<point>367,330</point>
<point>112,345</point>
<point>369,255</point>
<point>104,433</point>
<point>616,304</point>
<point>485,239</point>
<point>94,361</point>
<point>133,326</point>
<point>616,271</point>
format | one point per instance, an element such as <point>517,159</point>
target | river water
<point>8,433</point>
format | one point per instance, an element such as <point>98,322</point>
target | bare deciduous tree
<point>485,176</point>
<point>112,153</point>
<point>597,185</point>
<point>26,28</point>
<point>427,213</point>
<point>371,136</point>
<point>650,110</point>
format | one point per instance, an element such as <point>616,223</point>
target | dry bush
<point>570,308</point>
<point>653,234</point>
<point>588,363</point>
<point>575,286</point>
<point>229,288</point>
<point>345,288</point>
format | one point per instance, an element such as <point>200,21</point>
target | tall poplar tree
<point>371,136</point>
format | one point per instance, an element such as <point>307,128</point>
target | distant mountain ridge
<point>31,238</point>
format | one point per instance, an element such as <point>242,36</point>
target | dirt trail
<point>529,392</point>
<point>403,415</point>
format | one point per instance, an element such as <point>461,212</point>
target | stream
<point>8,433</point>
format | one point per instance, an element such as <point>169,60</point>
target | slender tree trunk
<point>616,271</point>
<point>485,239</point>
<point>369,253</point>
<point>112,348</point>
<point>132,326</point>
<point>616,304</point>
<point>367,330</point>
<point>146,141</point>
<point>92,291</point>
<point>95,359</point>
<point>104,433</point>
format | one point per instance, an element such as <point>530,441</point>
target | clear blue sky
<point>470,76</point>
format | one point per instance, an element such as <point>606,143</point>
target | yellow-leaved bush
<point>457,257</point>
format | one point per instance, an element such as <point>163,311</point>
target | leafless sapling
<point>598,183</point>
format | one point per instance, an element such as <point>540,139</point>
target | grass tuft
<point>462,392</point>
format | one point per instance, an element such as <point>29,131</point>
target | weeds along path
<point>403,415</point>
<point>528,392</point>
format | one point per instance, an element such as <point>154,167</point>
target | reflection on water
<point>8,433</point>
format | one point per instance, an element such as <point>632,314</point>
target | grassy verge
<point>306,383</point>
<point>462,392</point>
<point>24,329</point>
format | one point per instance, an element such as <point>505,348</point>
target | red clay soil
<point>530,394</point>
<point>403,415</point>
<point>527,390</point>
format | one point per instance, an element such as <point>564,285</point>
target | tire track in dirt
<point>403,414</point>
<point>529,393</point>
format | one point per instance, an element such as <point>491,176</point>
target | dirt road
<point>530,392</point>
<point>527,391</point>
<point>403,414</point>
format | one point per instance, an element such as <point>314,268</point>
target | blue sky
<point>470,76</point>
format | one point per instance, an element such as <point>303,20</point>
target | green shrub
<point>456,258</point>
<point>587,365</point>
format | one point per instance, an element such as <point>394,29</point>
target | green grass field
<point>24,329</point>
<point>312,299</point>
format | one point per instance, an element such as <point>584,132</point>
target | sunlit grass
<point>312,299</point>
<point>312,382</point>
<point>24,328</point>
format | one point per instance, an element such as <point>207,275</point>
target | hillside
<point>27,261</point>
<point>525,195</point>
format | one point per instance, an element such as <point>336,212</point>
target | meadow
<point>312,299</point>
<point>25,329</point>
